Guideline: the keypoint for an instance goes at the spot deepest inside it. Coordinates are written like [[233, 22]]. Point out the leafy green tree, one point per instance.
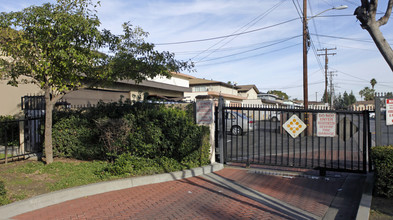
[[278, 93], [57, 47], [367, 93], [344, 101]]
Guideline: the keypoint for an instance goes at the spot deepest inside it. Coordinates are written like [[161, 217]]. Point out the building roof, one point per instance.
[[182, 75], [246, 88], [370, 102], [158, 85], [198, 81]]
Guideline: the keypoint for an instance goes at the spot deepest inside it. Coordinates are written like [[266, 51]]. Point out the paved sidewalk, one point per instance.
[[230, 193]]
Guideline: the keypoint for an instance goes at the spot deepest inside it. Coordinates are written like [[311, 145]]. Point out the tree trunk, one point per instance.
[[48, 126], [382, 45]]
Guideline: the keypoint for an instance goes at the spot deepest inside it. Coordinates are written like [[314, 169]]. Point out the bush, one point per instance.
[[383, 161], [76, 137], [146, 133], [9, 130]]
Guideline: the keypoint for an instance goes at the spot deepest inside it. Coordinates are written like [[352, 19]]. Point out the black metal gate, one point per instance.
[[34, 110], [257, 135]]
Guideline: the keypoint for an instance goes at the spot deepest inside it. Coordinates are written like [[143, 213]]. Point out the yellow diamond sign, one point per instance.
[[294, 126]]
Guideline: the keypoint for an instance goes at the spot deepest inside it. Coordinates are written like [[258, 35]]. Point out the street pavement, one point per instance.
[[228, 193]]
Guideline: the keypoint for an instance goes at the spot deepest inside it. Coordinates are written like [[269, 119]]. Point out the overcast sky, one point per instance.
[[256, 41]]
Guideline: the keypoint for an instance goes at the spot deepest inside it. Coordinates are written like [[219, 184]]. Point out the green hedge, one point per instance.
[[383, 161], [9, 130], [121, 132]]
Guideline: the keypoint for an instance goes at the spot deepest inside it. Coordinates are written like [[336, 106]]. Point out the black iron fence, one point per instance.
[[20, 138], [331, 140]]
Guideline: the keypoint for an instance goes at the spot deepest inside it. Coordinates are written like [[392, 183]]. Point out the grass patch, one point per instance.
[[2, 156], [26, 179], [381, 208]]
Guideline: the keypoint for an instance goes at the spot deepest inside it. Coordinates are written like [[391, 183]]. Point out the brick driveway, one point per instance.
[[230, 193]]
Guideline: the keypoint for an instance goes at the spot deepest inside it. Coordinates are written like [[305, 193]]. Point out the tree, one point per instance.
[[366, 14], [367, 93], [344, 101], [373, 82], [278, 93], [56, 46]]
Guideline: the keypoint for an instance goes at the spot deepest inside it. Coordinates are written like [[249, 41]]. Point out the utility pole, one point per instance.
[[326, 54], [305, 47], [331, 89]]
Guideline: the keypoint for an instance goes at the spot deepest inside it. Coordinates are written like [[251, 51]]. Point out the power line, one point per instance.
[[251, 23], [230, 35], [247, 51], [248, 57], [344, 38]]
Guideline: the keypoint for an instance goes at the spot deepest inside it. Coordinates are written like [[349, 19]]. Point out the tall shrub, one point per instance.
[[141, 130], [383, 161]]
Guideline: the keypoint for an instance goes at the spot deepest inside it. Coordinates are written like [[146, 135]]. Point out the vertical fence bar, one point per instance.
[[259, 135], [352, 143], [345, 139], [264, 138], [365, 141], [5, 144], [359, 149]]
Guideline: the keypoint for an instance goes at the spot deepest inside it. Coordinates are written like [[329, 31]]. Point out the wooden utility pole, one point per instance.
[[326, 54], [305, 47]]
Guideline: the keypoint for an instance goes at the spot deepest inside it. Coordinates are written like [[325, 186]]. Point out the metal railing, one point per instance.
[[255, 135]]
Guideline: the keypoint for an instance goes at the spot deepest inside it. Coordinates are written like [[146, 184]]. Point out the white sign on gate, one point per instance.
[[326, 124], [204, 112], [389, 111]]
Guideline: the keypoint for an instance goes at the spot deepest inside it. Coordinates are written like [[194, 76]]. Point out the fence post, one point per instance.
[[204, 115], [6, 144], [377, 121], [21, 136], [220, 127], [365, 142]]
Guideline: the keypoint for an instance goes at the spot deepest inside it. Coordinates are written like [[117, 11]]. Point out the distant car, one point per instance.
[[237, 123], [275, 116]]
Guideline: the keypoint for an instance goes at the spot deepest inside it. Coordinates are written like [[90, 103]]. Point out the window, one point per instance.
[[200, 89]]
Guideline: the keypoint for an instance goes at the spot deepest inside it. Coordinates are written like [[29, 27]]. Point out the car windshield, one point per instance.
[[241, 115]]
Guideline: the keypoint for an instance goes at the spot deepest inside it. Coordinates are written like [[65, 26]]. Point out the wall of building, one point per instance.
[[10, 97], [176, 81]]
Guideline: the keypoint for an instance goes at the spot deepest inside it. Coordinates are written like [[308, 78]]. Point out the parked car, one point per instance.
[[238, 123], [275, 116]]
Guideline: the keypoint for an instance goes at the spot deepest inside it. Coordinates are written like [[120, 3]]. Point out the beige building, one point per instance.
[[10, 96], [363, 105], [214, 89], [162, 88], [250, 92]]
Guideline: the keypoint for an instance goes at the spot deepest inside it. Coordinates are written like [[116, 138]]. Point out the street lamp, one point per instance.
[[305, 46]]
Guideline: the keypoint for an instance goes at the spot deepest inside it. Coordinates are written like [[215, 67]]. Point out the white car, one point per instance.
[[238, 123]]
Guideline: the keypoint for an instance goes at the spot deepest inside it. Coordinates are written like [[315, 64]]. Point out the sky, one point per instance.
[[256, 41]]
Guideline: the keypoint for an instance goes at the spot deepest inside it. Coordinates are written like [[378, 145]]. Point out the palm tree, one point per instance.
[[373, 82]]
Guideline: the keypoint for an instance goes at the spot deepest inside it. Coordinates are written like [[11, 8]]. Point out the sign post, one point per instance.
[[389, 111]]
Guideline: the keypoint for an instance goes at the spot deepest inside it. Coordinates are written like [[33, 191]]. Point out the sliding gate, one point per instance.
[[332, 140]]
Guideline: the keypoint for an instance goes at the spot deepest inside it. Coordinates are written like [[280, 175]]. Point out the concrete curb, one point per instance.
[[365, 201], [53, 198]]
